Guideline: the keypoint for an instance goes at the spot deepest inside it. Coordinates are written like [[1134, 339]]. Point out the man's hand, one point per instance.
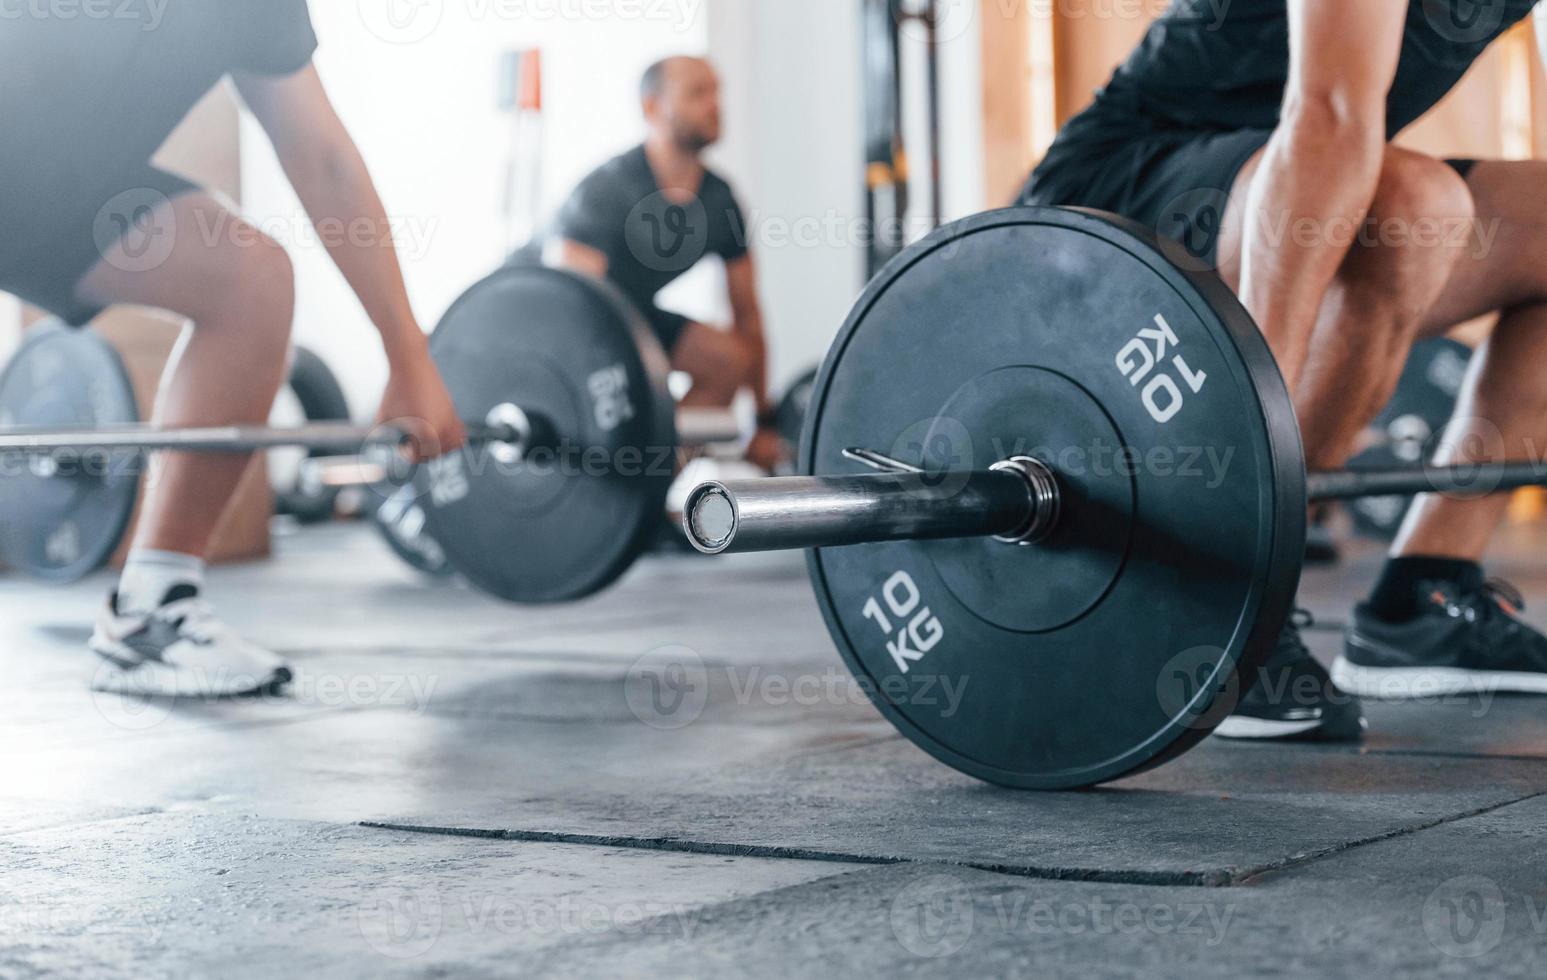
[[768, 451], [417, 402]]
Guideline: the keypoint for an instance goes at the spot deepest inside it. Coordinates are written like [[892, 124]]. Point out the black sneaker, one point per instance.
[[1460, 642], [1293, 698]]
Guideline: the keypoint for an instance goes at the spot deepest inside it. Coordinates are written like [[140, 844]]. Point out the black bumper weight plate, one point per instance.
[[1409, 428], [562, 524], [791, 413], [61, 519], [399, 518], [1119, 642]]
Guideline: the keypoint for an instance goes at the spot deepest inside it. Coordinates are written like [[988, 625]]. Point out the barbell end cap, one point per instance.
[[710, 519]]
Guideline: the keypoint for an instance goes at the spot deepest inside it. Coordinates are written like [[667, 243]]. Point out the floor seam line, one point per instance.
[[1174, 879], [1294, 863]]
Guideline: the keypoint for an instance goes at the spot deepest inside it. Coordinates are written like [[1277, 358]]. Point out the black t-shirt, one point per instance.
[[85, 97], [1224, 66], [650, 241]]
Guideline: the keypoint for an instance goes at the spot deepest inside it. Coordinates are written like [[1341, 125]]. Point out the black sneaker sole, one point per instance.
[[1418, 683]]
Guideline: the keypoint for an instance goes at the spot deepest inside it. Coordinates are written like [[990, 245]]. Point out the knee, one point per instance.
[[1420, 222], [256, 294], [268, 284]]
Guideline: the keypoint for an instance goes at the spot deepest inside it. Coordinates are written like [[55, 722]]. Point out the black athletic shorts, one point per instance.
[[53, 239], [666, 325], [1175, 183]]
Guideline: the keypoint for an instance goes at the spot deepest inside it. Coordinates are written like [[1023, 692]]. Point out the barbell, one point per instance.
[[1057, 473], [573, 438]]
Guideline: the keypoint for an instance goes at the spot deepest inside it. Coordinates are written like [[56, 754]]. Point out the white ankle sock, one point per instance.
[[149, 575]]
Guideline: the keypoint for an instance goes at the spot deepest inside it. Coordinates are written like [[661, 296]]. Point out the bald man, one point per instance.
[[643, 219]]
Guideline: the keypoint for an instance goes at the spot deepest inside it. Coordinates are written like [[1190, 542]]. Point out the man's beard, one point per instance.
[[693, 142]]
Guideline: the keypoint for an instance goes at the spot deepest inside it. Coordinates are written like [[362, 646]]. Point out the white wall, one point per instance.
[[795, 146], [420, 101]]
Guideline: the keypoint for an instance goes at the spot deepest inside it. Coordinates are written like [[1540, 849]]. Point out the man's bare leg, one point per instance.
[[1503, 411], [238, 288], [1378, 303], [721, 365]]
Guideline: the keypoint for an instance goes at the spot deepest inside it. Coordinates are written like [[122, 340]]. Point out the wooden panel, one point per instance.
[[1008, 149], [1091, 38]]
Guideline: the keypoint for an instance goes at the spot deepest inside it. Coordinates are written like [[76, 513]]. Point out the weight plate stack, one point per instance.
[[1120, 641]]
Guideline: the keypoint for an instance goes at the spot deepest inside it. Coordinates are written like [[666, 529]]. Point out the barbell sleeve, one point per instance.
[[1016, 501]]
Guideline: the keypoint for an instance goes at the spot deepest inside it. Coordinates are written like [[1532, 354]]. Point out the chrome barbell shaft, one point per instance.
[[1020, 505], [324, 437], [1466, 478], [792, 513], [696, 426]]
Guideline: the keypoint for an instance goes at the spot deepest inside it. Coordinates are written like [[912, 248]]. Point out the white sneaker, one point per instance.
[[181, 650]]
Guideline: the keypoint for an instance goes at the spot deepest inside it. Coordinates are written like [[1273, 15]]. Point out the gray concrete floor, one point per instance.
[[456, 787]]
